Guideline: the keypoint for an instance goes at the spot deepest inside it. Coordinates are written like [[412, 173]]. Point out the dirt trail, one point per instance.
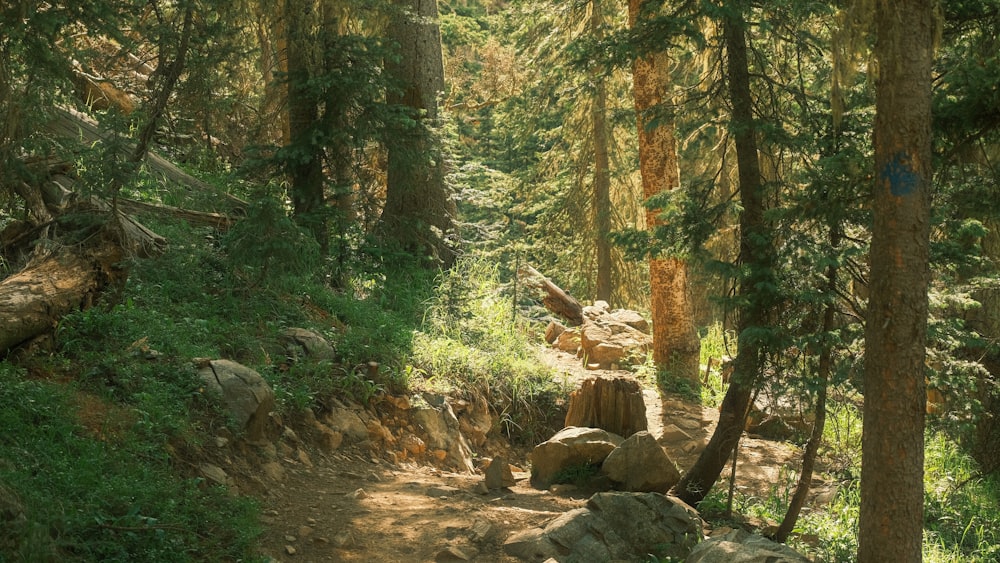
[[350, 505]]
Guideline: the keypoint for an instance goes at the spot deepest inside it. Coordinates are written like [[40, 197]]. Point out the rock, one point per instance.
[[299, 341], [597, 310], [442, 432], [630, 318], [413, 445], [739, 546], [498, 474], [553, 330], [305, 531], [304, 458], [214, 473], [641, 465], [453, 554], [348, 422], [611, 343], [247, 396], [570, 447], [480, 531], [360, 494], [568, 341], [613, 526], [442, 491], [614, 404], [674, 434], [289, 550], [474, 420], [273, 471], [329, 439]]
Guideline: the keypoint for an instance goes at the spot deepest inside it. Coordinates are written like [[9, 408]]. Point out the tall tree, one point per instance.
[[419, 212], [757, 285], [676, 348], [601, 206], [891, 517]]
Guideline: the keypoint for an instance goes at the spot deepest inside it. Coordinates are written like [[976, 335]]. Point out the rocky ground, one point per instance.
[[352, 504]]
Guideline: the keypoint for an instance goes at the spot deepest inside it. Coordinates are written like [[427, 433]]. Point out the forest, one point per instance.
[[801, 197]]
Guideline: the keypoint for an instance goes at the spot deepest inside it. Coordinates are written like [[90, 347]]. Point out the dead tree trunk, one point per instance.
[[71, 278], [557, 300], [614, 405]]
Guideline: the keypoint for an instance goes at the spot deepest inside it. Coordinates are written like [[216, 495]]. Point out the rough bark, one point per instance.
[[612, 404], [306, 167], [601, 203], [419, 211], [73, 277], [676, 347], [755, 254], [891, 515], [557, 300]]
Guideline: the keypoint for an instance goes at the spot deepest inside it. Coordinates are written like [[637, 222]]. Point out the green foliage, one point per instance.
[[472, 341], [79, 494], [268, 245]]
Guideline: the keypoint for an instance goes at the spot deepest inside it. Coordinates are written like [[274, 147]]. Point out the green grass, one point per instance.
[[69, 494]]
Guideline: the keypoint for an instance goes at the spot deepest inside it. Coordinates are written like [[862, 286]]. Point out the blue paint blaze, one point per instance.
[[903, 181]]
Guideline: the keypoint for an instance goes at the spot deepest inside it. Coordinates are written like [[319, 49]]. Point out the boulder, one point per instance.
[[498, 474], [568, 341], [627, 317], [442, 433], [348, 422], [474, 419], [571, 447], [613, 526], [609, 343], [640, 464], [553, 330], [299, 341], [246, 395], [739, 546]]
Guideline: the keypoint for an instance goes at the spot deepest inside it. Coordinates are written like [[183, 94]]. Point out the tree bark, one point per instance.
[[419, 211], [754, 290], [612, 404], [557, 300], [892, 494], [305, 166], [602, 167], [676, 347]]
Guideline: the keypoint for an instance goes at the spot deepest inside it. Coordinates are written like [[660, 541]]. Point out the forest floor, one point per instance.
[[350, 505]]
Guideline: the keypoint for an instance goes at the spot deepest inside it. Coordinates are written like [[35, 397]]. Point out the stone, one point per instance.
[[627, 317], [413, 445], [480, 531], [347, 422], [739, 546], [360, 494], [613, 526], [273, 471], [498, 474], [570, 447], [300, 341], [640, 464], [305, 531], [290, 550], [214, 473], [568, 341], [442, 434], [553, 330], [246, 395], [453, 553], [303, 457], [328, 439], [475, 421], [672, 433], [610, 343]]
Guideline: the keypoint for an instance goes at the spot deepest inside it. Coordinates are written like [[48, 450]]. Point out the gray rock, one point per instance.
[[442, 432], [348, 422], [498, 474], [571, 447], [740, 546], [300, 341], [613, 526], [246, 395], [641, 465]]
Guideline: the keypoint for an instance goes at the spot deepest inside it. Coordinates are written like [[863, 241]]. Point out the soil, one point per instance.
[[352, 505]]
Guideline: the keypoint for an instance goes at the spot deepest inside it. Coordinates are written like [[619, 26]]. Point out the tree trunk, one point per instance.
[[676, 348], [755, 254], [892, 494], [816, 437], [168, 75], [612, 404], [418, 211], [602, 166], [305, 168]]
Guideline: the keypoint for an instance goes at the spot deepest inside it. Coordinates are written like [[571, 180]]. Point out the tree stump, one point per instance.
[[612, 404]]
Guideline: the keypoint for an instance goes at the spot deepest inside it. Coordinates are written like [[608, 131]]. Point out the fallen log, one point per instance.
[[217, 221], [89, 262], [556, 300]]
